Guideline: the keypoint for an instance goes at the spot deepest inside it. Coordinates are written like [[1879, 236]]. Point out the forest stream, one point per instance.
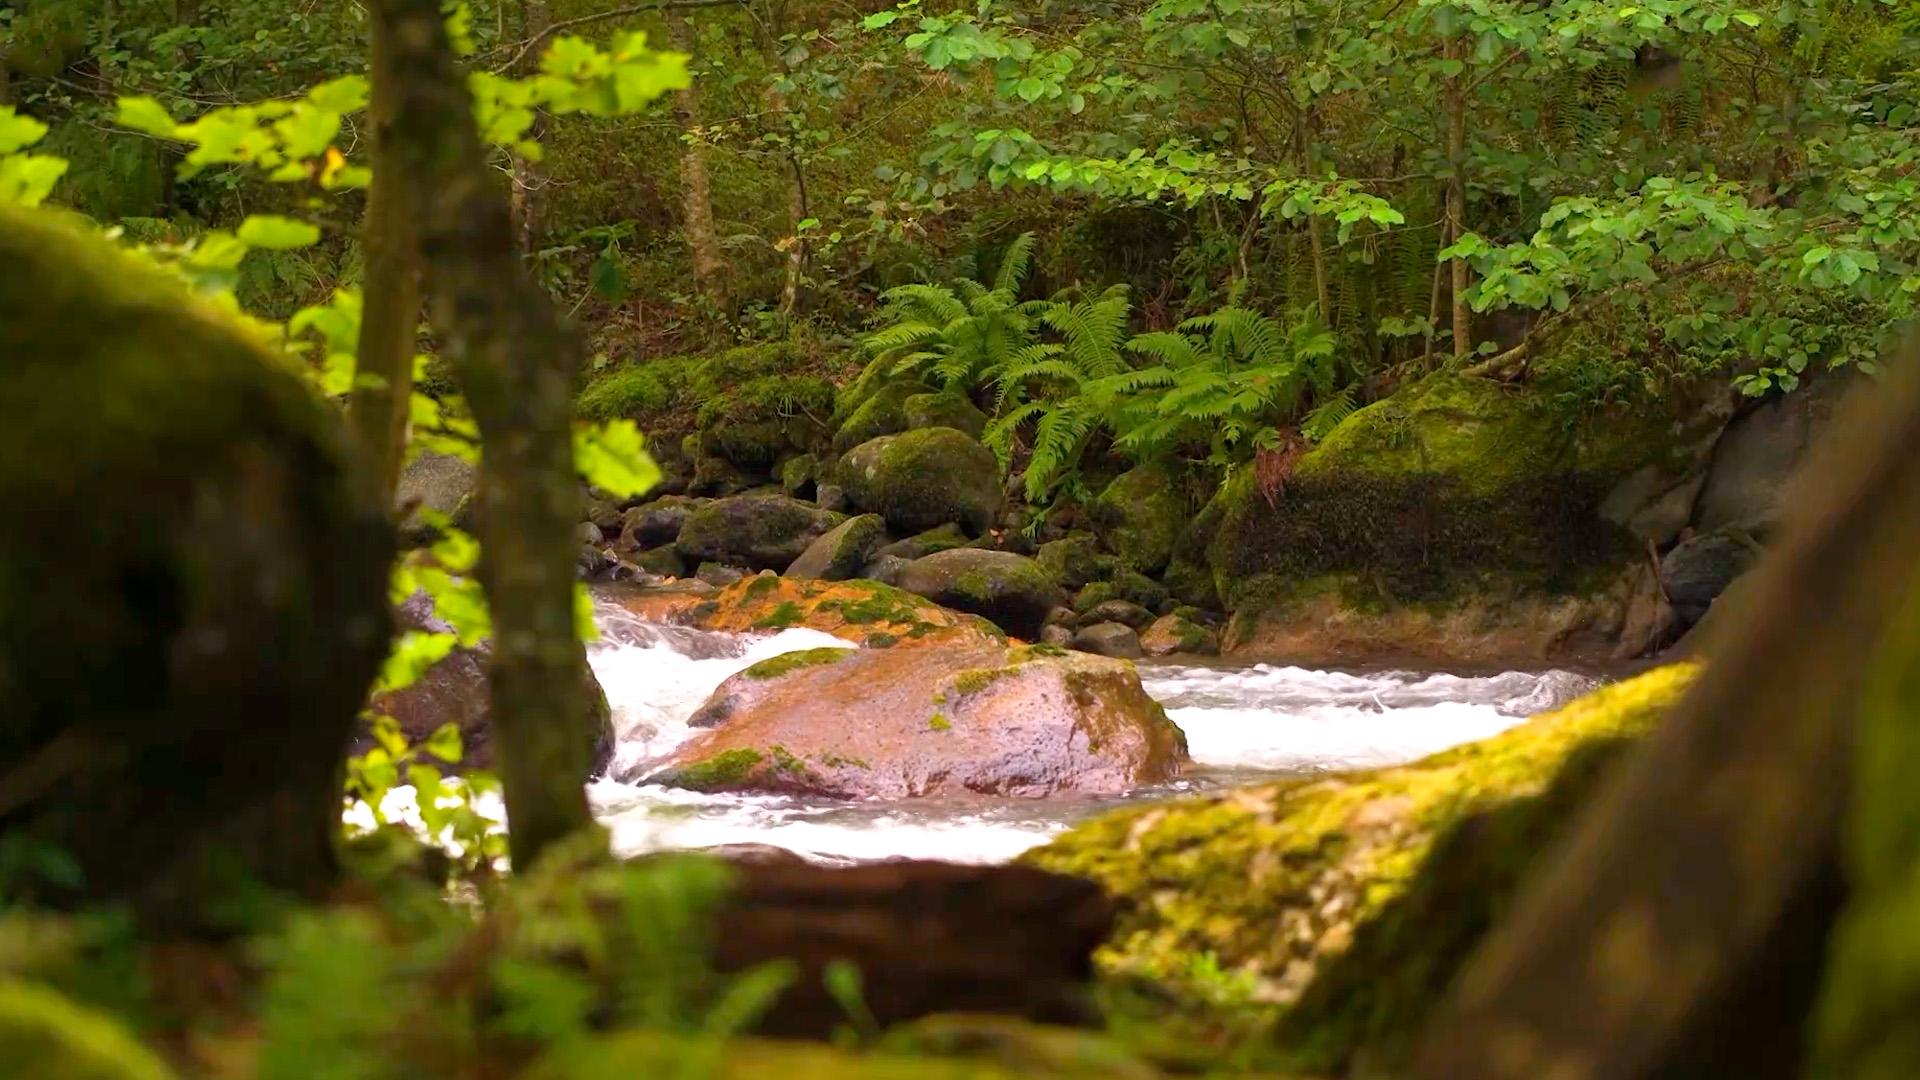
[[1243, 724]]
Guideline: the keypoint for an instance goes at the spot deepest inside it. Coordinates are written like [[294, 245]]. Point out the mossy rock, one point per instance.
[[882, 412], [866, 613], [1426, 489], [192, 580], [842, 551], [1075, 560], [1191, 583], [1129, 585], [944, 410], [922, 479], [756, 424], [922, 544], [1176, 634], [663, 561], [1140, 515], [1351, 901], [1011, 590], [647, 393], [765, 532], [959, 715], [800, 475]]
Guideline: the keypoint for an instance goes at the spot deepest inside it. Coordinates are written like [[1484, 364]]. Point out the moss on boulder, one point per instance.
[[192, 581], [1176, 634], [944, 410], [922, 479], [1421, 491], [863, 612], [1349, 902], [1011, 590], [880, 412], [1075, 560], [757, 424], [843, 551], [1140, 516], [764, 532]]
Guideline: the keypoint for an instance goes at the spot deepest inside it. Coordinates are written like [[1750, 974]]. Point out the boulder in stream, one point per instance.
[[923, 479], [1012, 590], [762, 532], [953, 716]]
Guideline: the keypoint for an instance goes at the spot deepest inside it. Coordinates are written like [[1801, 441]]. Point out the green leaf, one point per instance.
[[27, 180], [142, 114], [275, 233], [18, 132], [444, 743], [613, 457]]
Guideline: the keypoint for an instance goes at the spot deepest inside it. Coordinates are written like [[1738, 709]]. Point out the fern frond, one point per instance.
[[1015, 264], [1329, 414]]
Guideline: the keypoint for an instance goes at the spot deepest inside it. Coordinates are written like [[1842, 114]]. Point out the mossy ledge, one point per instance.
[[775, 666], [1347, 903], [719, 771]]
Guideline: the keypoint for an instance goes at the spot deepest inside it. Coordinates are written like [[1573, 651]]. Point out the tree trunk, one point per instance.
[[1456, 49], [696, 196], [378, 406], [797, 247], [516, 363], [1681, 929], [1303, 151], [529, 178]]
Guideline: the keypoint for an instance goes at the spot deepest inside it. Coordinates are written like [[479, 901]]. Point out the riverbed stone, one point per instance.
[[1700, 568], [842, 551], [1318, 893], [953, 716], [923, 479], [762, 532], [931, 542], [864, 612], [1125, 612], [1117, 640], [658, 522], [1140, 516], [1011, 590], [1177, 634], [944, 410], [434, 483]]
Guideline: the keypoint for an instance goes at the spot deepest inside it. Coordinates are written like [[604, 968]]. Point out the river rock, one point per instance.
[[1700, 568], [866, 613], [831, 497], [1108, 639], [436, 483], [1308, 890], [1758, 453], [880, 412], [192, 590], [842, 551], [1172, 634], [1140, 516], [455, 691], [931, 542], [1125, 612], [910, 722], [719, 575], [922, 479], [658, 522], [663, 561], [886, 569], [1056, 635], [1075, 560], [763, 532], [944, 410], [1009, 589]]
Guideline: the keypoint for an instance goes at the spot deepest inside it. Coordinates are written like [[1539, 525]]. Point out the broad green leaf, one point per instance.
[[275, 233], [613, 457], [143, 114]]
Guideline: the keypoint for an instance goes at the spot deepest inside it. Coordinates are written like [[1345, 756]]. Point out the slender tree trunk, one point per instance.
[[1456, 107], [1303, 151], [1439, 272], [516, 362], [529, 178], [696, 196], [378, 406], [797, 249]]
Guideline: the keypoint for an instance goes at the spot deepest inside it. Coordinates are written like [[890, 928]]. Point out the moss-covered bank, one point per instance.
[[1349, 902]]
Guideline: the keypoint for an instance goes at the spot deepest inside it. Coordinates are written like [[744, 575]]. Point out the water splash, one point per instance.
[[1242, 724]]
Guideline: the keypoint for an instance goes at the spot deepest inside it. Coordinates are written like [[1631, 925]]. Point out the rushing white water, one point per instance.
[[1241, 724]]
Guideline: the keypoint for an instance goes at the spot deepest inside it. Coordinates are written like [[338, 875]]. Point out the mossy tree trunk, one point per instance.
[[516, 363], [390, 314], [696, 194], [1681, 929]]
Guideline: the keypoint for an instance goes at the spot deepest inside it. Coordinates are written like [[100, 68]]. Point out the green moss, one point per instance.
[[784, 615], [722, 770], [944, 410], [1023, 653], [761, 585], [786, 761], [1352, 899], [880, 412], [775, 666], [939, 723], [835, 761], [1141, 514], [643, 392], [882, 604], [880, 639], [974, 680], [923, 479]]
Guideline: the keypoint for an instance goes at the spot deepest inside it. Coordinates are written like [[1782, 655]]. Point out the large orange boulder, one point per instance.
[[962, 714]]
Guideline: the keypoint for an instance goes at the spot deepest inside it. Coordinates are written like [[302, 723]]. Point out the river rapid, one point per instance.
[[1243, 724]]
